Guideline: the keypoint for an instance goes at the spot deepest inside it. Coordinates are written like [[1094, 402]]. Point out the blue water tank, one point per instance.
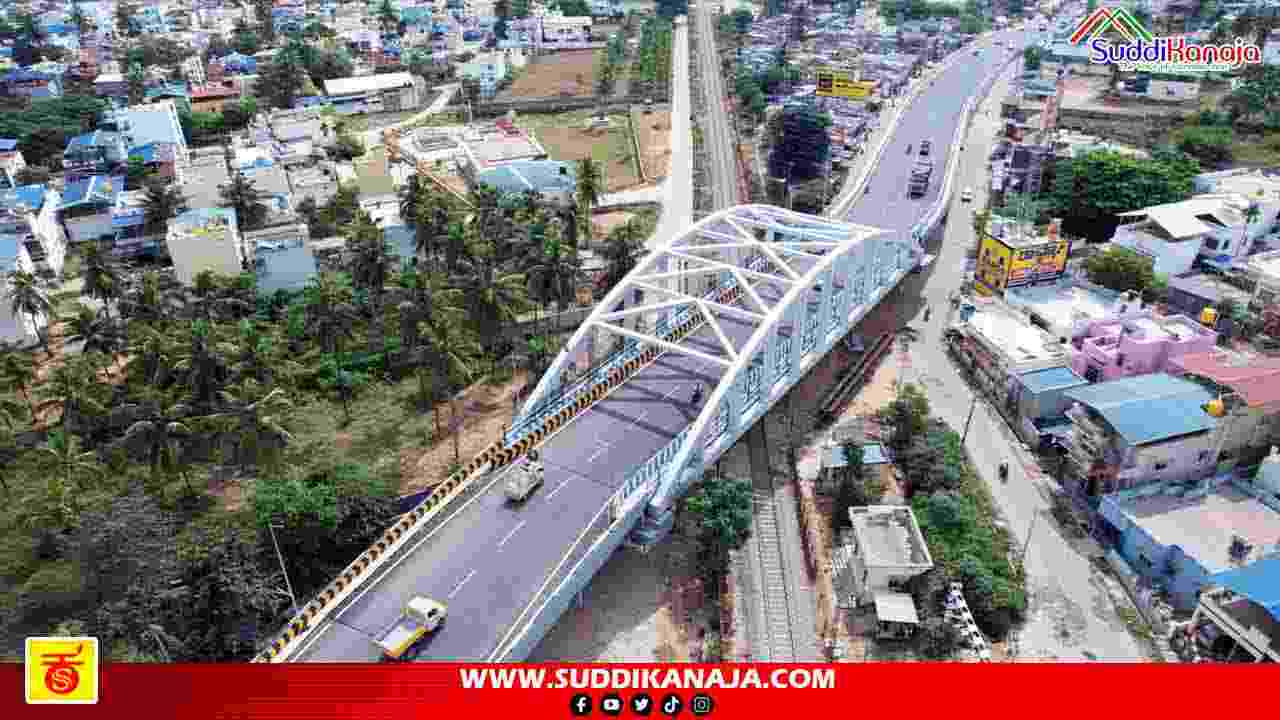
[[472, 35]]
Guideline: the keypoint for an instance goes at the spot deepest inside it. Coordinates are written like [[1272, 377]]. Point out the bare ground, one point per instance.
[[568, 73], [604, 223], [654, 133]]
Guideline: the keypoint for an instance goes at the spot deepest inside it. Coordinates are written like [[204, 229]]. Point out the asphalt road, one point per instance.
[[677, 190], [490, 559], [717, 126], [932, 116]]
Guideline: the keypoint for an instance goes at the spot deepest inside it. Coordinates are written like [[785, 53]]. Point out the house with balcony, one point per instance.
[[1237, 618], [1137, 346], [101, 209], [1248, 391], [95, 153], [1214, 229], [1138, 430], [153, 123], [1068, 308], [29, 217], [11, 163]]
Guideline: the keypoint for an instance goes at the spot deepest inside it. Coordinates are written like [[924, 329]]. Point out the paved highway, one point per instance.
[[932, 116], [490, 559], [677, 198], [717, 126]]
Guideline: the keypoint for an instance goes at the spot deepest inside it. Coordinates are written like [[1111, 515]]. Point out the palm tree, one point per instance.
[[388, 18], [96, 329], [454, 352], [330, 313], [412, 196], [65, 454], [75, 388], [556, 274], [99, 274], [212, 297], [150, 298], [26, 295], [242, 195], [254, 421], [161, 203], [203, 363], [372, 261], [10, 413], [622, 252], [160, 436], [591, 187], [493, 297], [18, 373]]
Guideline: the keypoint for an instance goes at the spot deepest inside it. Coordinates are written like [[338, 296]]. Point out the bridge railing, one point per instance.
[[652, 468], [664, 328]]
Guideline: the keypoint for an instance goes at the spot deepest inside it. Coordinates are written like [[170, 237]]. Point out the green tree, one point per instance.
[[493, 297], [282, 81], [162, 203], [907, 414], [622, 252], [590, 188], [1031, 58], [1091, 189], [136, 78], [18, 373], [266, 25], [1211, 145], [721, 509], [803, 145], [124, 19], [77, 19], [388, 16], [241, 194], [1258, 92], [29, 299], [1120, 269]]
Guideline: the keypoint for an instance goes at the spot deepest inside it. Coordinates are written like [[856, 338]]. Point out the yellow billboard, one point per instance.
[[1002, 266], [838, 83]]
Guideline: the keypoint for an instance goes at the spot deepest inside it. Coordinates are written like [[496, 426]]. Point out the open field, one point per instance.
[[566, 136], [654, 131], [564, 74], [604, 223]]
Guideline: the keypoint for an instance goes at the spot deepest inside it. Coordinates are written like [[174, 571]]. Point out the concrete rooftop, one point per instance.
[[1203, 527]]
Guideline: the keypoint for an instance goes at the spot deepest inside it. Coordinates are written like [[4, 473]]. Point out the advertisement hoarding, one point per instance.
[[839, 83]]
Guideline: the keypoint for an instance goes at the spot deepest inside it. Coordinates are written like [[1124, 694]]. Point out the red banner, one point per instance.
[[791, 692]]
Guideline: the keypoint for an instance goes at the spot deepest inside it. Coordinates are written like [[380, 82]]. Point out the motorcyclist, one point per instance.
[[697, 394], [908, 148], [867, 189], [1004, 471]]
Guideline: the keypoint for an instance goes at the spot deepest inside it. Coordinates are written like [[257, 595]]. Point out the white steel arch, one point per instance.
[[773, 256]]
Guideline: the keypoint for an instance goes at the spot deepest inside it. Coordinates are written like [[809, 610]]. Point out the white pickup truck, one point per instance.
[[421, 616], [525, 479]]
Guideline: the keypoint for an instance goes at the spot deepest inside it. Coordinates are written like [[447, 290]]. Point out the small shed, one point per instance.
[[896, 617], [875, 459]]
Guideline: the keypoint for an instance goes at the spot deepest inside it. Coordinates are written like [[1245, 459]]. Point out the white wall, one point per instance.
[[1171, 258]]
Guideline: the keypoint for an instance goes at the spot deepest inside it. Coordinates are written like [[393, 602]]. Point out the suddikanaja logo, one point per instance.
[[1137, 48]]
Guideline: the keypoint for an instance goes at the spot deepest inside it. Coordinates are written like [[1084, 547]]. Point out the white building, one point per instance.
[[376, 93], [1211, 227], [193, 70], [205, 239], [1271, 49], [31, 240], [888, 550]]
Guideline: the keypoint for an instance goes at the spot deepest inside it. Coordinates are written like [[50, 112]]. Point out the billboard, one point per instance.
[[838, 83], [1000, 266]]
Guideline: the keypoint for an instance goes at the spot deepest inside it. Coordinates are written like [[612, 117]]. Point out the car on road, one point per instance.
[[967, 195], [525, 479], [421, 615]]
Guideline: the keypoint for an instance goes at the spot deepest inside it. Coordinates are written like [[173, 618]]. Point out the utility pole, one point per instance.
[[280, 556], [1022, 558], [972, 406]]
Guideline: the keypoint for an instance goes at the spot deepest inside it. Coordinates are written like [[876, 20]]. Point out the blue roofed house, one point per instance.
[[205, 239], [154, 123], [30, 82], [1041, 400], [101, 209], [1138, 430], [1238, 616], [32, 241], [94, 153], [553, 180], [282, 257], [11, 163]]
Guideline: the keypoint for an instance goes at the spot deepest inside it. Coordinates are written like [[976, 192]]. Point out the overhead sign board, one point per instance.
[[839, 83]]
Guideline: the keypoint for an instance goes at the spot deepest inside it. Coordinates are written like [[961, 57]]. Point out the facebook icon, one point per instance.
[[580, 705]]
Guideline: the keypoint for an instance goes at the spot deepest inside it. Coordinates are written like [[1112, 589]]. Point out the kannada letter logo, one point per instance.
[[62, 670]]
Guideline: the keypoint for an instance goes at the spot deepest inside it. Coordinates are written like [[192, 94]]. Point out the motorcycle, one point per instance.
[[908, 149], [1004, 472]]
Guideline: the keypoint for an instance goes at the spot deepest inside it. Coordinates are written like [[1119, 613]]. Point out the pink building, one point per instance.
[[1146, 344]]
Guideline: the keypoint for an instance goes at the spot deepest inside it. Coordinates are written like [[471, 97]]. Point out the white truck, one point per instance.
[[421, 615], [525, 479]]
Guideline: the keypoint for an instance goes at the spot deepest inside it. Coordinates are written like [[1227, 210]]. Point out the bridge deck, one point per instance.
[[489, 560]]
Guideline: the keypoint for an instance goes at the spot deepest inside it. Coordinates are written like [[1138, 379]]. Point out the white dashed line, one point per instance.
[[639, 418], [514, 530], [597, 453], [457, 588], [673, 391], [558, 489]]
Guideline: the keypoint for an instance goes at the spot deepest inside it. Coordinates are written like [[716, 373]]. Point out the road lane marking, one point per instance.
[[514, 530], [639, 418], [458, 588], [673, 391], [597, 454], [558, 488]]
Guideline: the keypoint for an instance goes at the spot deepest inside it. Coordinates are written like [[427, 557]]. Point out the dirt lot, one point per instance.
[[654, 131], [563, 74], [566, 136]]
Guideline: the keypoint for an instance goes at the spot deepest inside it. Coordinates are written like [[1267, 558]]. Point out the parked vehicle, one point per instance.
[[966, 195], [421, 616], [526, 479]]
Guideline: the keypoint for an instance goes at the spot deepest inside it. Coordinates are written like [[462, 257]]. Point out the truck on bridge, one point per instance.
[[525, 479], [922, 171], [421, 616]]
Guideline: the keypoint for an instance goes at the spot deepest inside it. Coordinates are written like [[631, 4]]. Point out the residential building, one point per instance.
[[489, 70], [94, 153], [282, 257], [1011, 254], [33, 82], [1068, 308], [29, 217], [157, 158], [1238, 615], [1039, 399], [887, 551], [11, 163], [553, 180], [876, 460], [389, 92], [214, 98], [1178, 536], [1263, 272], [1209, 228], [1248, 387], [194, 71], [1138, 430], [205, 239], [86, 208], [997, 343], [110, 85], [1140, 345], [1191, 294], [1271, 50]]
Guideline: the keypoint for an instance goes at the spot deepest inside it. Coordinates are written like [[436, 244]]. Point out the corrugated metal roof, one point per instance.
[[1257, 380], [896, 607], [1258, 581], [1148, 408], [1059, 378], [368, 83]]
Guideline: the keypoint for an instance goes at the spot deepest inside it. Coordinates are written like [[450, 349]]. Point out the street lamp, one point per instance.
[[972, 406]]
